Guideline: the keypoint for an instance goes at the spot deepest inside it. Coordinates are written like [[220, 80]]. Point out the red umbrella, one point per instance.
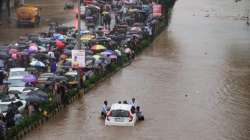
[[60, 44]]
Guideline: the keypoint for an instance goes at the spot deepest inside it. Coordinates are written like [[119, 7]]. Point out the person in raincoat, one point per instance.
[[53, 67]]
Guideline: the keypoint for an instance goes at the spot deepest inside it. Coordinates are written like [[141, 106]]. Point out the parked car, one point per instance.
[[17, 73], [120, 115], [4, 104], [16, 84]]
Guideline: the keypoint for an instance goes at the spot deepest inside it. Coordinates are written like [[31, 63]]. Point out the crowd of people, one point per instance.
[[49, 53]]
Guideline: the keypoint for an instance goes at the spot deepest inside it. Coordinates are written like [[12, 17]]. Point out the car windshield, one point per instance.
[[17, 73], [3, 107], [16, 83], [119, 113]]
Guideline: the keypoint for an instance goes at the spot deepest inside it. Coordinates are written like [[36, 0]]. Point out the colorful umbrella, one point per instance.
[[60, 44], [113, 56], [33, 48], [14, 56], [98, 47], [29, 78], [87, 37]]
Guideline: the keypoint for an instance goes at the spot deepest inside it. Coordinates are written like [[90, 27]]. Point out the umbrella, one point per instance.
[[11, 51], [127, 50], [35, 98], [118, 52], [107, 52], [37, 63], [58, 36], [98, 47], [60, 44], [29, 78], [97, 57], [14, 56], [87, 37], [113, 56], [33, 48], [137, 29]]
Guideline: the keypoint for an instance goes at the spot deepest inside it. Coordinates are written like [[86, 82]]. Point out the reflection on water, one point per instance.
[[192, 83]]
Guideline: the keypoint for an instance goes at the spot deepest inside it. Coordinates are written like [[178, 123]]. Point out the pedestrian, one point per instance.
[[2, 127], [63, 93], [18, 118], [31, 109], [2, 76], [53, 66], [109, 21], [10, 117], [139, 114], [133, 102], [105, 109]]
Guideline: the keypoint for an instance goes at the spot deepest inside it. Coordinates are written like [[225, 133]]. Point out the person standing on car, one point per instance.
[[133, 102]]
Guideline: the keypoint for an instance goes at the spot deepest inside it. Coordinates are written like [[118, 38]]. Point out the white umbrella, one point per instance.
[[127, 50], [36, 63]]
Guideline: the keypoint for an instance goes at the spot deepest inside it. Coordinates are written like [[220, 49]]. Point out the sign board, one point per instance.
[[78, 58], [157, 10]]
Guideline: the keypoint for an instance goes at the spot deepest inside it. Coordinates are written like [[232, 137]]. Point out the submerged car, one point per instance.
[[120, 115]]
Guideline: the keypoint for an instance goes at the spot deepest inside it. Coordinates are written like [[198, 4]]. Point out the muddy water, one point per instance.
[[192, 84]]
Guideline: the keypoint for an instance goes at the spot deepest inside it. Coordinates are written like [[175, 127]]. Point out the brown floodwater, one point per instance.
[[51, 11], [193, 83]]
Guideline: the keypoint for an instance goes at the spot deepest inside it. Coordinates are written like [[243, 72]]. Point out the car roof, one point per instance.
[[9, 102], [17, 69], [16, 78], [117, 106]]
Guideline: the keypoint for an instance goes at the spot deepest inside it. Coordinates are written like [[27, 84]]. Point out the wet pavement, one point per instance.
[[192, 83]]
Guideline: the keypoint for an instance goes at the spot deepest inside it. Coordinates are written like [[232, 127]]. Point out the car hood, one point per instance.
[[20, 89]]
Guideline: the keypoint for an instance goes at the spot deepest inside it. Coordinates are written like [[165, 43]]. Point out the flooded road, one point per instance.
[[192, 84], [51, 11]]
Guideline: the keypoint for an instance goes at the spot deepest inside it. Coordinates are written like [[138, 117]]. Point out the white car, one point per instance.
[[21, 104], [120, 115], [17, 73], [16, 85]]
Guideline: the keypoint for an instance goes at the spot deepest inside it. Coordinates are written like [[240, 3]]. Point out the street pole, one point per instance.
[[79, 25], [79, 39]]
